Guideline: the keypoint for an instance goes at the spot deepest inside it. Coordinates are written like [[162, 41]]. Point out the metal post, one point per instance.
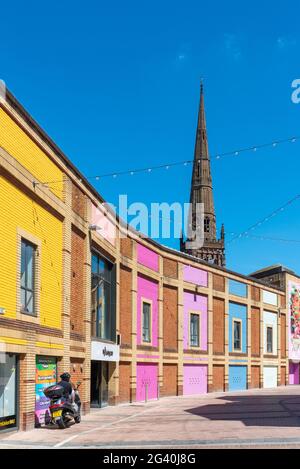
[[158, 391], [146, 392]]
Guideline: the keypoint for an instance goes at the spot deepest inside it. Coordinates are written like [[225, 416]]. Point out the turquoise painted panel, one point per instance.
[[237, 378], [238, 288]]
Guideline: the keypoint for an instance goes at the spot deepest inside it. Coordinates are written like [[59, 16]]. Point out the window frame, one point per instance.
[[24, 240], [240, 322], [148, 302], [269, 326], [195, 313]]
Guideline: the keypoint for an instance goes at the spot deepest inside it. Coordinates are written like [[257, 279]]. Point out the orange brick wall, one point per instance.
[[283, 335], [255, 376], [170, 268], [125, 305], [77, 281], [218, 378], [255, 332], [126, 247], [169, 380], [282, 375], [218, 326], [255, 293], [78, 201], [170, 323], [218, 283], [124, 381]]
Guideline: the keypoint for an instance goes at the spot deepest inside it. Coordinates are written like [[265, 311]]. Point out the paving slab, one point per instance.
[[247, 419]]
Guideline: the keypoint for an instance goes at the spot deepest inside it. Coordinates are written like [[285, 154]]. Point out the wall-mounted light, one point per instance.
[[95, 227]]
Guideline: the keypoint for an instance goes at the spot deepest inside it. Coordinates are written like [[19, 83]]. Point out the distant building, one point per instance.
[[213, 250]]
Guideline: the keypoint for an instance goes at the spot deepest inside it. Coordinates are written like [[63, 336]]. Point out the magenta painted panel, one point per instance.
[[147, 257], [148, 290], [193, 275], [194, 302], [294, 377], [194, 379], [106, 224], [146, 375]]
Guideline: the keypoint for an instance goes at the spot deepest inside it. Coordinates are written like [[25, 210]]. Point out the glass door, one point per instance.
[[99, 384]]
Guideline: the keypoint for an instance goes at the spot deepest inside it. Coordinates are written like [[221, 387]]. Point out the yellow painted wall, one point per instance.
[[19, 145], [17, 210]]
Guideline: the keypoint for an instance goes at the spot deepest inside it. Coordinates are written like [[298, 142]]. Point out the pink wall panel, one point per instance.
[[294, 377], [146, 375], [195, 302], [147, 289], [147, 257], [193, 275], [194, 379], [106, 223]]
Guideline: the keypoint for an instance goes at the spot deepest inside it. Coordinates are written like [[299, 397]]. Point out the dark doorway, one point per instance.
[[99, 384]]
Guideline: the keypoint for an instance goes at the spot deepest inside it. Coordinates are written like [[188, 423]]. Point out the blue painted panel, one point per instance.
[[238, 312], [237, 378], [237, 288]]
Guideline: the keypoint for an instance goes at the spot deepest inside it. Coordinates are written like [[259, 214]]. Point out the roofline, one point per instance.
[[19, 108]]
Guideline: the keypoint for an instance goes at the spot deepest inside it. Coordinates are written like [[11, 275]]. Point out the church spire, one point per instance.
[[202, 192]]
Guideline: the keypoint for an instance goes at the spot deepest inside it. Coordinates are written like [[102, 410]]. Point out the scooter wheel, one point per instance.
[[77, 419], [61, 423]]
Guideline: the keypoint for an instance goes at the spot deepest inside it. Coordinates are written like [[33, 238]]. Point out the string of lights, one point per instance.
[[167, 166], [265, 219]]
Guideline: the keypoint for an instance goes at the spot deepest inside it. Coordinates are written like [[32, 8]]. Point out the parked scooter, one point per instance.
[[62, 410]]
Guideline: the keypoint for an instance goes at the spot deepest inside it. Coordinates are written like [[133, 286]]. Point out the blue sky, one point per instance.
[[116, 85]]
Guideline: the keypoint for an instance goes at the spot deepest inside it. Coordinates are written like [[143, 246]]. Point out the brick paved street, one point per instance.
[[260, 418]]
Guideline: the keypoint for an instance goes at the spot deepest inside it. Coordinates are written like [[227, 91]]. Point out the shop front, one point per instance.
[[8, 391], [45, 375], [104, 357]]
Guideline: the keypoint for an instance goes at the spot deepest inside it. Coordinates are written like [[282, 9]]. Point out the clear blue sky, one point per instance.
[[116, 85]]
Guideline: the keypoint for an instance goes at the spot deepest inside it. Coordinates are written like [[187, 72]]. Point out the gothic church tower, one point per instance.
[[213, 250]]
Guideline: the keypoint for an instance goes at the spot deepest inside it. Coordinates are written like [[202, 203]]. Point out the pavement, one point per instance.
[[249, 419]]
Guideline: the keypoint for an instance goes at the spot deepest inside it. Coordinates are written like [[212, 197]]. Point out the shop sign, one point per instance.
[[105, 352]]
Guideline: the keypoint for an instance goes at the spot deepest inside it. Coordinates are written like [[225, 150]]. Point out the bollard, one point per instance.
[[146, 392]]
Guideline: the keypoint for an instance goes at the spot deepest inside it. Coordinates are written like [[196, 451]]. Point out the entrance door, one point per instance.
[[99, 384]]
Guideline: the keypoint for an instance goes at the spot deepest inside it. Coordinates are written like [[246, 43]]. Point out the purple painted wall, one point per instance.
[[146, 374], [194, 302], [194, 379], [148, 290], [294, 377], [193, 275], [147, 257]]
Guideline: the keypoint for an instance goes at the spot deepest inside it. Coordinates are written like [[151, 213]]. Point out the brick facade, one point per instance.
[[255, 379], [77, 281], [125, 306], [218, 326], [169, 380], [255, 332], [218, 378], [170, 318]]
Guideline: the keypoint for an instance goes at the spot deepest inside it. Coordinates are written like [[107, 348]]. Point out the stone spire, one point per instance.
[[202, 192]]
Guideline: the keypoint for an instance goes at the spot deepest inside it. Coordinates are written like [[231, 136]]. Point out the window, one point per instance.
[[27, 276], [269, 339], [206, 225], [146, 322], [103, 299], [237, 335], [194, 330], [237, 288]]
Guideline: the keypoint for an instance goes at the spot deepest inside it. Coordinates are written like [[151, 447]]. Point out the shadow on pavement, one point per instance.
[[268, 410]]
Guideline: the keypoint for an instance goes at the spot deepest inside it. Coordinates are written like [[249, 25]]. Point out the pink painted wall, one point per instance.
[[106, 223], [147, 257], [146, 373], [194, 379], [194, 302], [193, 275], [148, 290], [294, 377]]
